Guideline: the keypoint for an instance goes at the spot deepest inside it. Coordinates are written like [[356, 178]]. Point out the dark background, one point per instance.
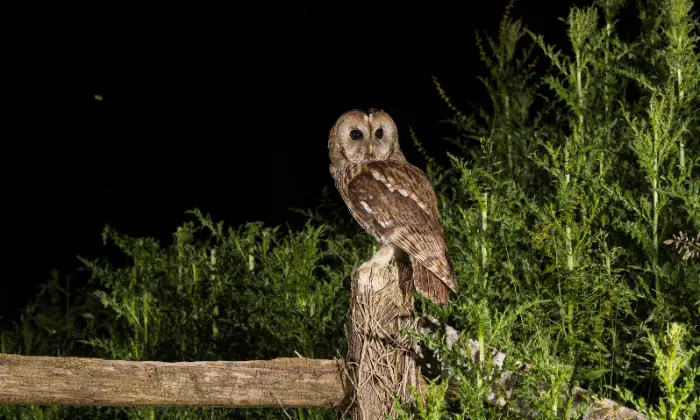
[[236, 127]]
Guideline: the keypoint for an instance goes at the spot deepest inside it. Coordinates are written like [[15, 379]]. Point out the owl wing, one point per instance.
[[399, 204]]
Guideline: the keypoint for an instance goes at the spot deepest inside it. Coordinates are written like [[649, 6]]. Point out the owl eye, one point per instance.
[[379, 133], [356, 134]]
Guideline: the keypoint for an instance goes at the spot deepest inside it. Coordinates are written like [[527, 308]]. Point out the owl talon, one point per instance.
[[380, 259]]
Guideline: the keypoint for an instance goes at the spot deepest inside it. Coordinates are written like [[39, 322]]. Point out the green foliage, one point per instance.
[[672, 362], [572, 215], [234, 294], [605, 150], [431, 406]]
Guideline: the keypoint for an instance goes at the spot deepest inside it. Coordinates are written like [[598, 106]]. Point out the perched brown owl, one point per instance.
[[390, 198]]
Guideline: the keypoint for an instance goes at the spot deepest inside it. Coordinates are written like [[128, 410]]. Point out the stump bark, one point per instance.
[[381, 359]]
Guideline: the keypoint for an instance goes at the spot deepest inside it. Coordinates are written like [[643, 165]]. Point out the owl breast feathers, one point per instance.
[[390, 198]]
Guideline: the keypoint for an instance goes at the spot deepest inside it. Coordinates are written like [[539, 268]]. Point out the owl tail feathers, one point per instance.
[[428, 284]]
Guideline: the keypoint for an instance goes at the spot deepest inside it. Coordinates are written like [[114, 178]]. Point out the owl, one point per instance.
[[390, 198]]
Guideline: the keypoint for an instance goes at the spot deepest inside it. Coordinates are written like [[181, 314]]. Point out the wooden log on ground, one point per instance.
[[284, 382]]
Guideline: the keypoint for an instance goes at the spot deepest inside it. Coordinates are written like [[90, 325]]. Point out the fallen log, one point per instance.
[[285, 382]]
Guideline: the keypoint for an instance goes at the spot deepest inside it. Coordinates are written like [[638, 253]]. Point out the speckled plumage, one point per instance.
[[390, 198]]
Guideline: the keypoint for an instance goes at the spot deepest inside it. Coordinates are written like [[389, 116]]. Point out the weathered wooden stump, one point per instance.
[[381, 359]]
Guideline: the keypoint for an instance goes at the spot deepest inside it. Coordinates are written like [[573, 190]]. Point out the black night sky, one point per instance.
[[235, 126]]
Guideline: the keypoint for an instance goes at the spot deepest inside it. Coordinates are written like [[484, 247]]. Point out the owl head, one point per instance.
[[358, 136]]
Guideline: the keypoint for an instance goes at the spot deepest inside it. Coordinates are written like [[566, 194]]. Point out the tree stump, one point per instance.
[[381, 359]]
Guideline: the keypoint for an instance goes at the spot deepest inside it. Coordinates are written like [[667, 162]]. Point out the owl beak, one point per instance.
[[370, 148]]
